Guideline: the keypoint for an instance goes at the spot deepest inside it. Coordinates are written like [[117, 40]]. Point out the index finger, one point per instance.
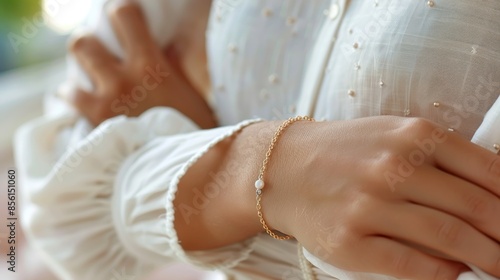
[[130, 25], [470, 162]]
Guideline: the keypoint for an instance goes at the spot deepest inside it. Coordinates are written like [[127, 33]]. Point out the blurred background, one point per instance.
[[33, 36], [32, 50]]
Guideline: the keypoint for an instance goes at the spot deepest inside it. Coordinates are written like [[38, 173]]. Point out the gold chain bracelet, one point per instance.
[[259, 184]]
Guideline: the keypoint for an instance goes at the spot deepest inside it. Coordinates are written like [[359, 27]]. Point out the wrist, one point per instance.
[[234, 165], [286, 178]]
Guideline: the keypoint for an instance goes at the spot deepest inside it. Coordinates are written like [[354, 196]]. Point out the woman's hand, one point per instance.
[[143, 79], [389, 195]]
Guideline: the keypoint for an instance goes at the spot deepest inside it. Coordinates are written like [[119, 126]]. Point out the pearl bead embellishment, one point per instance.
[[232, 48], [273, 79], [267, 12], [259, 184]]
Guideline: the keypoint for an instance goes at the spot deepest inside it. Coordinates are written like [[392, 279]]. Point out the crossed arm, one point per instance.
[[325, 182]]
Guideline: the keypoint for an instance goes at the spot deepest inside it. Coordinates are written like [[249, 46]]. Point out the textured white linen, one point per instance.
[[488, 133], [94, 213], [268, 59]]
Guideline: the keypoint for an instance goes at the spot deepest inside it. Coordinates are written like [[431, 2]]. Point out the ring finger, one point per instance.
[[441, 232]]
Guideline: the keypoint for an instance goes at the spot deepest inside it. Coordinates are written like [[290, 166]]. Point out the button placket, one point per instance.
[[320, 56]]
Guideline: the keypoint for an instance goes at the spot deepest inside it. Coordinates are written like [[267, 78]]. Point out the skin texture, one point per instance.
[[389, 195]]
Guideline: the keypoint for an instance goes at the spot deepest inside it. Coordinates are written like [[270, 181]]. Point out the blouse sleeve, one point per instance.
[[104, 209]]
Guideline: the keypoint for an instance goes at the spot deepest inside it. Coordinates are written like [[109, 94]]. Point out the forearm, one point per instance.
[[215, 202]]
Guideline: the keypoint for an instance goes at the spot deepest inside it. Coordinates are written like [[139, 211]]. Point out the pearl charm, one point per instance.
[[264, 94], [259, 184], [333, 12], [232, 48], [267, 12], [496, 147], [273, 79]]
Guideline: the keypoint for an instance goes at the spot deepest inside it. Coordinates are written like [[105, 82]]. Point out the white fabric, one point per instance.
[[475, 274], [96, 201], [488, 133], [268, 59]]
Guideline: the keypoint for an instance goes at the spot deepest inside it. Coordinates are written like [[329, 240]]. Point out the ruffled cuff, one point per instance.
[[145, 189], [105, 210], [221, 258]]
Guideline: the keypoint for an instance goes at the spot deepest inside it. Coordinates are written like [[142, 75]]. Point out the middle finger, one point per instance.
[[132, 30], [443, 191], [96, 60]]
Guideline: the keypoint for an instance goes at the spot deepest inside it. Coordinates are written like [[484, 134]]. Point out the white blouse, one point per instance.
[[99, 204]]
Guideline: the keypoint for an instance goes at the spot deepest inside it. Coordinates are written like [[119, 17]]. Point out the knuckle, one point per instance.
[[355, 214], [402, 262], [449, 233], [115, 87], [494, 168], [389, 160], [80, 43], [359, 208], [442, 271], [123, 11], [478, 207], [419, 127]]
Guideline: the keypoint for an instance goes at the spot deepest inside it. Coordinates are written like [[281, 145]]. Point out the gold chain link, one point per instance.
[[262, 172]]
